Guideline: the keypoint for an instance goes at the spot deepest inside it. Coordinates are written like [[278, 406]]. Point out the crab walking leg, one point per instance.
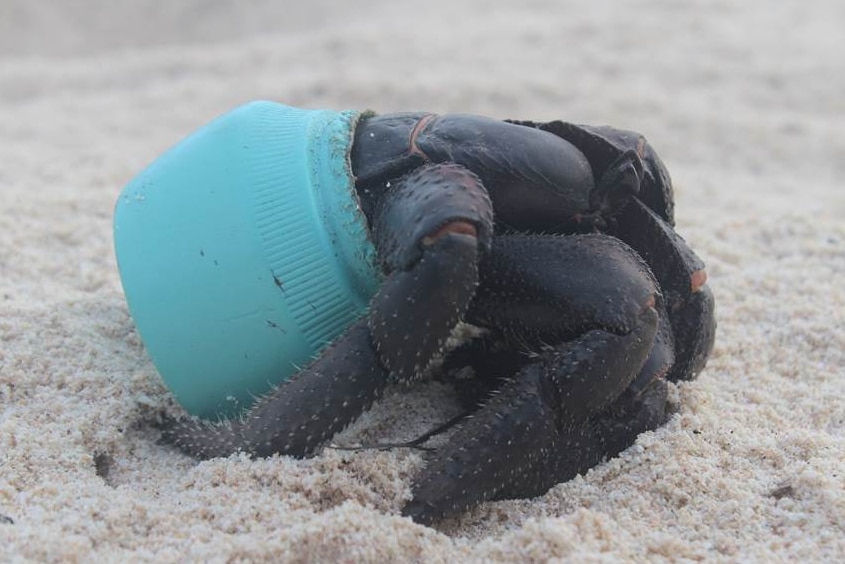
[[411, 317], [581, 446], [418, 309], [431, 252], [646, 223], [299, 415], [493, 361], [587, 306], [431, 229], [547, 289], [524, 434], [681, 275], [694, 323]]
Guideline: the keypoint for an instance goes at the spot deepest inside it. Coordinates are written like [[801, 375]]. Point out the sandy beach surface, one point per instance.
[[744, 100]]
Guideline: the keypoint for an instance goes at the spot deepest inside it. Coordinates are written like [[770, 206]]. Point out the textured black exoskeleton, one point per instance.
[[556, 238]]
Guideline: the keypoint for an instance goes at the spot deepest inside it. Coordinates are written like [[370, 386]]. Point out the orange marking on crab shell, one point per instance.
[[460, 227], [415, 150], [697, 280], [641, 147]]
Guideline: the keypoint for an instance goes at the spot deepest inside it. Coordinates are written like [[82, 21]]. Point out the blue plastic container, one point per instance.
[[243, 251]]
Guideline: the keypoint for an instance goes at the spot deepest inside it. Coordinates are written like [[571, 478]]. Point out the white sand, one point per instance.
[[745, 101]]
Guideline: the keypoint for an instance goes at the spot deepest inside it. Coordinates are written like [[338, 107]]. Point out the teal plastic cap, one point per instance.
[[243, 251]]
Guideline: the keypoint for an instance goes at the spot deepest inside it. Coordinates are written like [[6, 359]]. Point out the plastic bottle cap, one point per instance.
[[243, 251]]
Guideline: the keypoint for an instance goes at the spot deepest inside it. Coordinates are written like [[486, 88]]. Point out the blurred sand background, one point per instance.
[[744, 100]]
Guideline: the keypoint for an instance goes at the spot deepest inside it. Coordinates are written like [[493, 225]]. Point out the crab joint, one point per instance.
[[460, 227], [697, 280]]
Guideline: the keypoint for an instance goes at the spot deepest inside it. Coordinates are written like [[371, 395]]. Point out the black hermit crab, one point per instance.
[[558, 241]]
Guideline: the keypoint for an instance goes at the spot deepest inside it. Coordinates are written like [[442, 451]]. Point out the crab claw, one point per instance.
[[604, 146], [620, 181]]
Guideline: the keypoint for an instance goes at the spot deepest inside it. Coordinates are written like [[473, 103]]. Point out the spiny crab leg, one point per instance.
[[431, 254]]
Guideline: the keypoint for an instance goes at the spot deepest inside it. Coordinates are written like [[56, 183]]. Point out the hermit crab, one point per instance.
[[557, 241]]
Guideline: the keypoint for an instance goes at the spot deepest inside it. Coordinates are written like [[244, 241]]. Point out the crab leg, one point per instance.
[[681, 275], [431, 230], [430, 251], [597, 303], [527, 436], [645, 223], [296, 417]]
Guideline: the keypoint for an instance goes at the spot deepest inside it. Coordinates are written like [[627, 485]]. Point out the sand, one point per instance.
[[743, 100]]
